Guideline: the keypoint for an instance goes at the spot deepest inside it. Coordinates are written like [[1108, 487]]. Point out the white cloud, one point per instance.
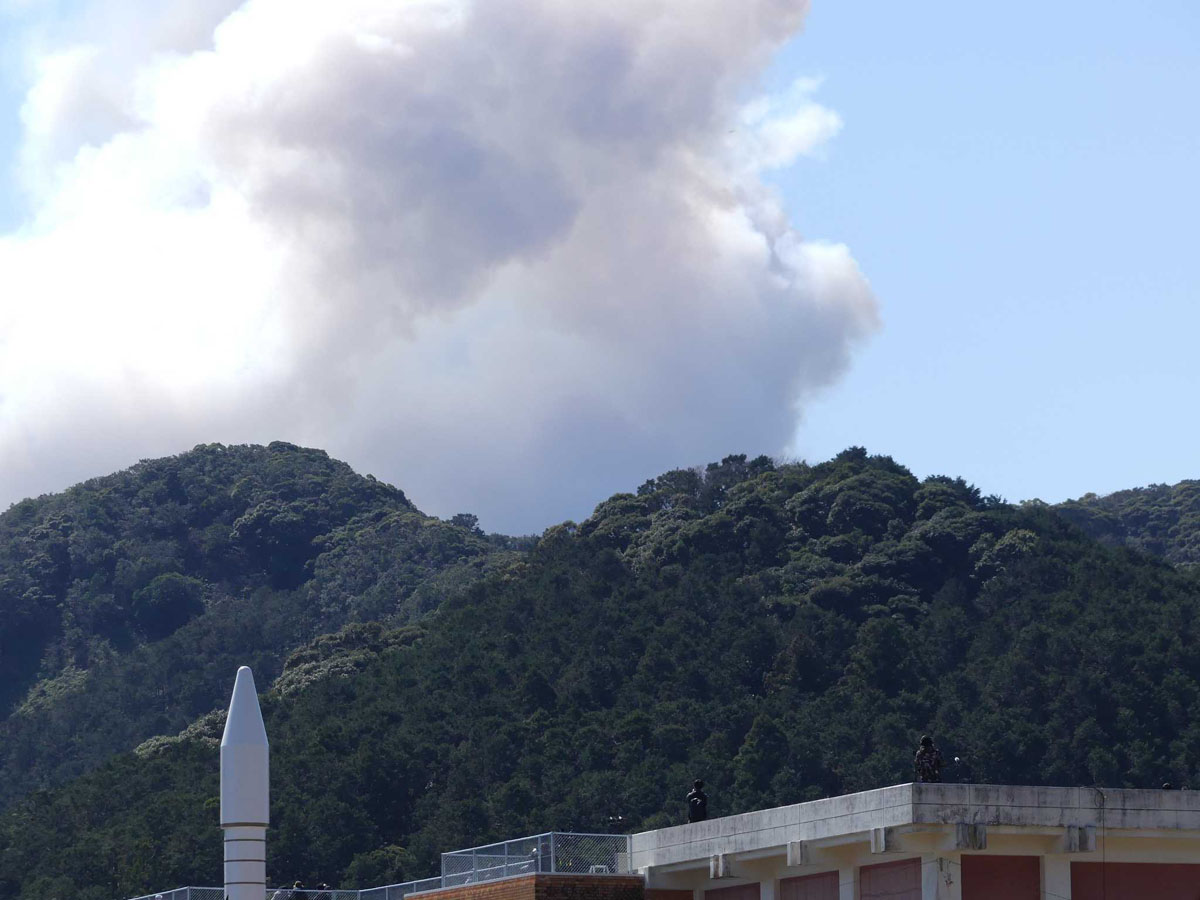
[[773, 132], [510, 255]]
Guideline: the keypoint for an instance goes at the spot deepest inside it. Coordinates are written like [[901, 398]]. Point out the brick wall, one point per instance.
[[549, 887]]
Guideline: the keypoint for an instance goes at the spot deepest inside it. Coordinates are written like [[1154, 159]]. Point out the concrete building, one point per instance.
[[906, 842], [937, 842]]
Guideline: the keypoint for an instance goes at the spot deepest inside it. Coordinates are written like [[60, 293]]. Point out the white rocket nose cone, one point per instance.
[[244, 724], [245, 774]]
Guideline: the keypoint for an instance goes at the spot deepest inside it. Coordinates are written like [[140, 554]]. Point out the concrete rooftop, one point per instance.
[[1073, 814]]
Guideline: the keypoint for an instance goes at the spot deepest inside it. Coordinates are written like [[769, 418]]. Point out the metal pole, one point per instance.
[[552, 860]]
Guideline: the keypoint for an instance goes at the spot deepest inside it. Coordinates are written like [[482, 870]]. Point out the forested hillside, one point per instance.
[[1161, 519], [127, 600], [785, 632]]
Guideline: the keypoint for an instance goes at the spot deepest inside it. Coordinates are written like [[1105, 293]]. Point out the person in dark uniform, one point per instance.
[[697, 802], [928, 762]]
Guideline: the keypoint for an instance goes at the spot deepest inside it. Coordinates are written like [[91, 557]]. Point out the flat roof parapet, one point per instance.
[[916, 804]]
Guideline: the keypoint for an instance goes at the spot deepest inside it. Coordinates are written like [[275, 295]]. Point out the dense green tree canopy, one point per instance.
[[125, 601], [1161, 519], [785, 632]]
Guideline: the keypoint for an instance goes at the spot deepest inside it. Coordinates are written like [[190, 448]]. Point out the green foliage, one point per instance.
[[373, 868], [166, 604], [1161, 519], [126, 601], [341, 654], [785, 632]]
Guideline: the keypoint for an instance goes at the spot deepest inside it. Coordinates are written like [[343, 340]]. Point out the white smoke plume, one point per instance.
[[511, 255]]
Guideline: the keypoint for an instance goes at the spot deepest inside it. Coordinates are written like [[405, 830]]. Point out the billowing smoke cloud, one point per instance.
[[511, 255]]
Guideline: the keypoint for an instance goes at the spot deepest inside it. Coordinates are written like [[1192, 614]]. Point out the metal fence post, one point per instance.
[[553, 841]]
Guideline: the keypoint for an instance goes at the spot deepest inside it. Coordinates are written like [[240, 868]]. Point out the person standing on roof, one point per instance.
[[697, 802], [928, 762]]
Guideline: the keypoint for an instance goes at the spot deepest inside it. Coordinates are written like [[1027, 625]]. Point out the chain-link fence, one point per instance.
[[555, 852], [286, 893], [189, 893]]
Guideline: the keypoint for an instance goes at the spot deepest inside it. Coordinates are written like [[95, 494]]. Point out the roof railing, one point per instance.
[[552, 853]]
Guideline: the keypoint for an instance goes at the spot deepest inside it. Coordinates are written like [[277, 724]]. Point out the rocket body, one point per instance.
[[245, 792]]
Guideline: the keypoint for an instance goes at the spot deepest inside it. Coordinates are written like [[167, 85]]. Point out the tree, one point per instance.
[[166, 604], [469, 521]]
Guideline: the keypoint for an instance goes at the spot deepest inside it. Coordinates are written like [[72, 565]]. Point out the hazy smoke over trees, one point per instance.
[[510, 255]]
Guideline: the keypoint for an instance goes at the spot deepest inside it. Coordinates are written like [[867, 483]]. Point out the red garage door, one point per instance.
[[739, 892], [891, 881], [1135, 881], [1001, 877], [810, 887]]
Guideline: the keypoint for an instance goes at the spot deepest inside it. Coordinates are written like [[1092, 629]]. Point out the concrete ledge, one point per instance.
[[971, 806]]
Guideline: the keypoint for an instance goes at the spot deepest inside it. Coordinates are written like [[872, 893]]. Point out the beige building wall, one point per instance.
[[909, 842]]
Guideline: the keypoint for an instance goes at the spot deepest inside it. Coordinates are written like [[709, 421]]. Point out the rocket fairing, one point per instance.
[[245, 765], [245, 792]]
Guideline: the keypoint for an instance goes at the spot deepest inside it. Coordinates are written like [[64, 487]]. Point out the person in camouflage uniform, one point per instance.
[[928, 762]]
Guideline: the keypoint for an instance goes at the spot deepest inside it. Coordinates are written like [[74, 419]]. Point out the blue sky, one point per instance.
[[1018, 182]]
